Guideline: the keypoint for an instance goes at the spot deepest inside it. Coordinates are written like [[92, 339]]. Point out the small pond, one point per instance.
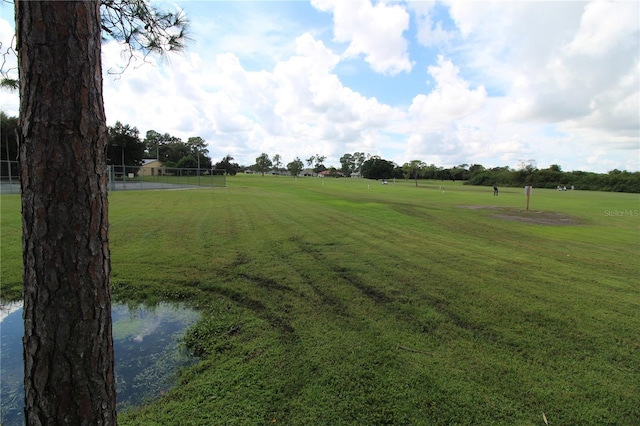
[[147, 347]]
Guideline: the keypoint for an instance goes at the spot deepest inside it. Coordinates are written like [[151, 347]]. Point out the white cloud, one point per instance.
[[519, 40], [450, 100], [604, 26], [373, 30], [430, 33], [312, 102]]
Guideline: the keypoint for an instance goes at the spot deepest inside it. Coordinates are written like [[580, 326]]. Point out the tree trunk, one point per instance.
[[68, 347]]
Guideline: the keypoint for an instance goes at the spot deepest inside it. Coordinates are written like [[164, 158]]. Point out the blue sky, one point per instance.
[[448, 83]]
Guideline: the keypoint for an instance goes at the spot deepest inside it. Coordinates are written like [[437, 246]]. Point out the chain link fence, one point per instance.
[[123, 178], [9, 177], [127, 178]]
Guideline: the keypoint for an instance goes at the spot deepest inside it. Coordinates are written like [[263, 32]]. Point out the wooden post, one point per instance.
[[527, 191]]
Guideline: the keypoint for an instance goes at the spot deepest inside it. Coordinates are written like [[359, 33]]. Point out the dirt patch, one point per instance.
[[528, 216], [542, 218], [477, 207]]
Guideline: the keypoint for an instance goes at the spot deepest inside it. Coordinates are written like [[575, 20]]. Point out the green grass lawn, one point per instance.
[[344, 301]]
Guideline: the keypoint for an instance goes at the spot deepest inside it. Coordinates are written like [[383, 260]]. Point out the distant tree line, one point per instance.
[[552, 177], [126, 147], [375, 167], [526, 174], [170, 150]]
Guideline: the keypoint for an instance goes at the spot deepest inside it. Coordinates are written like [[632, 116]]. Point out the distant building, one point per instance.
[[276, 172], [151, 167], [329, 173]]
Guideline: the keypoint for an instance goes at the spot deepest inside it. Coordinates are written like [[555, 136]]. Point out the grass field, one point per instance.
[[344, 301]]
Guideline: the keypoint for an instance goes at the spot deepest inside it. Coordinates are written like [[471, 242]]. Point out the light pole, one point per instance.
[[124, 169]]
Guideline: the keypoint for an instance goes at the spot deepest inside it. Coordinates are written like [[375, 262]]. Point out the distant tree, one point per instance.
[[450, 173], [524, 174], [152, 143], [406, 171], [277, 162], [124, 146], [377, 168], [398, 172], [413, 169], [263, 163], [548, 178], [527, 165], [348, 164], [459, 172], [198, 150], [475, 169], [172, 152], [478, 175], [555, 168], [187, 162], [358, 160], [227, 165], [295, 167], [462, 172], [197, 144], [310, 160], [155, 143], [318, 163], [430, 172]]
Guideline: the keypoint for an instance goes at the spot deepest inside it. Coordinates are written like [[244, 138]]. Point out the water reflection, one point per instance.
[[147, 347]]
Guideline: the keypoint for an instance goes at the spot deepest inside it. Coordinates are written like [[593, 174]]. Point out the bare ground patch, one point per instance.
[[528, 216]]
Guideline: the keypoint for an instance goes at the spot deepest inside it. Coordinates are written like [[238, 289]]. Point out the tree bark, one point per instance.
[[68, 346]]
